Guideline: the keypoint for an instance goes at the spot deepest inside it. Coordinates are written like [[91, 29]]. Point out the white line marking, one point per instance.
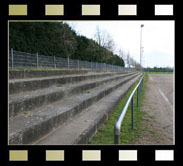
[[163, 95], [166, 99]]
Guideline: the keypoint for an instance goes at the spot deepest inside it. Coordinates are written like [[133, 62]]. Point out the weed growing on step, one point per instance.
[[105, 135], [59, 85]]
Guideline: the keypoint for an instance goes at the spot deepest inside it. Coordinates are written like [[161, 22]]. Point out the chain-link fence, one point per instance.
[[19, 59]]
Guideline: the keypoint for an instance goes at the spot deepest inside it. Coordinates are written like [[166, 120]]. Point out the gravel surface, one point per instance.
[[158, 121]]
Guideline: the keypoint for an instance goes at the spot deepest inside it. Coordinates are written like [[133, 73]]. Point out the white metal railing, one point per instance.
[[117, 126]]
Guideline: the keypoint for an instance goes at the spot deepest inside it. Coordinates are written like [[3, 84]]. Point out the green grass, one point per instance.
[[105, 135], [159, 72], [59, 85]]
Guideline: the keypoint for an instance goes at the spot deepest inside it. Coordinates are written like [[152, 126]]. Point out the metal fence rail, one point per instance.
[[117, 126], [19, 59]]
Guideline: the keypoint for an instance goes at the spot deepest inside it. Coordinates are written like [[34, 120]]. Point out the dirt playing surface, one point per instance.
[[158, 107]]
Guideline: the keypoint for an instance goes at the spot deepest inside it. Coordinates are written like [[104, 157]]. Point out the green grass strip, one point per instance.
[[105, 135], [153, 72]]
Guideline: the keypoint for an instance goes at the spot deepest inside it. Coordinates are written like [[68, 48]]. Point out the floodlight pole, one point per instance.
[[141, 26]]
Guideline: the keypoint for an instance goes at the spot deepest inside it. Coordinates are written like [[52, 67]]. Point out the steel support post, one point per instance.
[[137, 96], [78, 63], [37, 60], [132, 112], [116, 139], [11, 57], [67, 62], [55, 62]]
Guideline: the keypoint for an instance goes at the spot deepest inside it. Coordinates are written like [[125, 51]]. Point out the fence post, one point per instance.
[[140, 88], [132, 113], [11, 57], [142, 82], [116, 139], [68, 62], [55, 62], [78, 63], [137, 96], [37, 59]]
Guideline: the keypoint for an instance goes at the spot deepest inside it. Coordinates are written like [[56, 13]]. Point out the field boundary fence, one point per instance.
[[18, 59]]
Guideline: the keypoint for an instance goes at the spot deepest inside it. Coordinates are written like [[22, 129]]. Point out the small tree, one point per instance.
[[104, 39], [128, 59], [123, 56]]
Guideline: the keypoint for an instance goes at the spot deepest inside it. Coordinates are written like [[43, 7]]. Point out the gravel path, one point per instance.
[[158, 121]]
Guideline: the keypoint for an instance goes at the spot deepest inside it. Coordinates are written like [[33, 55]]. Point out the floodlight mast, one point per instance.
[[141, 26]]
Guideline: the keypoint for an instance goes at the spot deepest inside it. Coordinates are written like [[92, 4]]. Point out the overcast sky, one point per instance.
[[157, 38]]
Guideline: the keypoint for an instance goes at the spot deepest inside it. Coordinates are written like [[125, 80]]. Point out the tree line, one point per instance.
[[158, 69], [59, 39]]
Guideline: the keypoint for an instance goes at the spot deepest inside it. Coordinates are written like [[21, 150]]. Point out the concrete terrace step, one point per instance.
[[25, 129], [23, 85], [34, 73], [26, 101], [37, 73], [81, 128]]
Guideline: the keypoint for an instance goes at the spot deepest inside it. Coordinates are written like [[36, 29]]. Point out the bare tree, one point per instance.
[[128, 59], [109, 43], [122, 55], [104, 39], [132, 62], [98, 36]]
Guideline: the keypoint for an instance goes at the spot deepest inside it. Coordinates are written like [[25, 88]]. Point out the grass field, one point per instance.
[[159, 72], [105, 135]]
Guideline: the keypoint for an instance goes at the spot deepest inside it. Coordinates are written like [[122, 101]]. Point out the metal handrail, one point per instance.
[[117, 126]]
